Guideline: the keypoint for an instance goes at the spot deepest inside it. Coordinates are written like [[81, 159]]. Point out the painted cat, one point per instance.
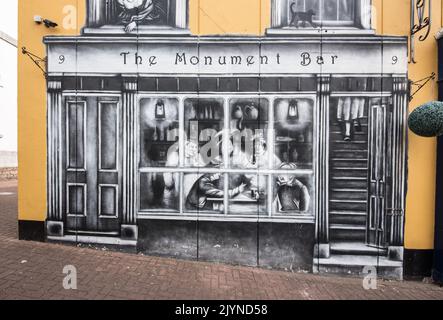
[[303, 17]]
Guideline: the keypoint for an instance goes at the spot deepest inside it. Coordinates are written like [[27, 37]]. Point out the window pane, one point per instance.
[[247, 194], [204, 193], [298, 5], [159, 191], [333, 11], [154, 12], [330, 10], [204, 122], [291, 194], [346, 10], [313, 5], [293, 124], [248, 130], [159, 132]]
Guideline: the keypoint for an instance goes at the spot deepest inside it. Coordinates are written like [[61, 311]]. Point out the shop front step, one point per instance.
[[359, 266], [356, 248]]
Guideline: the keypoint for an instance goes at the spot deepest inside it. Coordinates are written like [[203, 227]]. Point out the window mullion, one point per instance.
[[181, 132], [338, 10], [320, 11], [271, 149], [181, 191], [226, 164], [226, 193]]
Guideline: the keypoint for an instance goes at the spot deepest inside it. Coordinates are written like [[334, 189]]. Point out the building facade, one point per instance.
[[285, 150]]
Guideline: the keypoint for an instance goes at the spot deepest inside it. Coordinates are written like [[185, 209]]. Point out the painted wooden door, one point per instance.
[[378, 144], [92, 165]]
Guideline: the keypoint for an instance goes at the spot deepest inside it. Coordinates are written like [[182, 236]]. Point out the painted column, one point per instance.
[[365, 14], [96, 13], [129, 98], [398, 166], [276, 13], [321, 249], [181, 14], [54, 222]]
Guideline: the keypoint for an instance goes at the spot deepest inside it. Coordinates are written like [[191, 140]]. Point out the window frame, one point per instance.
[[101, 16], [330, 22], [182, 213], [280, 18]]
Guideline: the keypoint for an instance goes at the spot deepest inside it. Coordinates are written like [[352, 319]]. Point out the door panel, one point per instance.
[[76, 199], [93, 179], [109, 165], [108, 201], [76, 190], [76, 127], [108, 131], [377, 176]]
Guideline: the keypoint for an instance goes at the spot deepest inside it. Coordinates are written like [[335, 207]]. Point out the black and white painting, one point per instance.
[[290, 154], [133, 13]]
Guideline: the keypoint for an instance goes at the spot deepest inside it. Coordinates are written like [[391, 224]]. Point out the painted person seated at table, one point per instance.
[[292, 194], [209, 185]]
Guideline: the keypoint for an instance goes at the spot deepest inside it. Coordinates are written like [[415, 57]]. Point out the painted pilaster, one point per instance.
[[129, 98], [54, 223], [365, 14], [322, 248], [96, 13], [396, 211], [276, 13], [181, 14]]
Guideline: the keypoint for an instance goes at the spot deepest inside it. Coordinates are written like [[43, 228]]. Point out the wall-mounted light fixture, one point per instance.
[[39, 62], [48, 23], [416, 86]]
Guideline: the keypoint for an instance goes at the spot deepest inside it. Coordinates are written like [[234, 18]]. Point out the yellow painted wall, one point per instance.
[[218, 17]]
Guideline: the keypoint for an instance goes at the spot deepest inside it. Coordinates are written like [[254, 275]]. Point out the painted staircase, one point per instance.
[[348, 185]]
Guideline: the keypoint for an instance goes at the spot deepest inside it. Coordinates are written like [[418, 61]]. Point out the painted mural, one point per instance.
[[284, 151]]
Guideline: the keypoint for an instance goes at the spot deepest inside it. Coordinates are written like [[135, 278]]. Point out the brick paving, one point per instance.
[[34, 270]]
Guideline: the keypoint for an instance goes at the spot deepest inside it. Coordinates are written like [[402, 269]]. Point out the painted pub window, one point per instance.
[[321, 11], [137, 16], [302, 14], [227, 156]]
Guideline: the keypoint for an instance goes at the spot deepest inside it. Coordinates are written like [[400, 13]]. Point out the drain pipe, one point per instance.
[[437, 268]]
